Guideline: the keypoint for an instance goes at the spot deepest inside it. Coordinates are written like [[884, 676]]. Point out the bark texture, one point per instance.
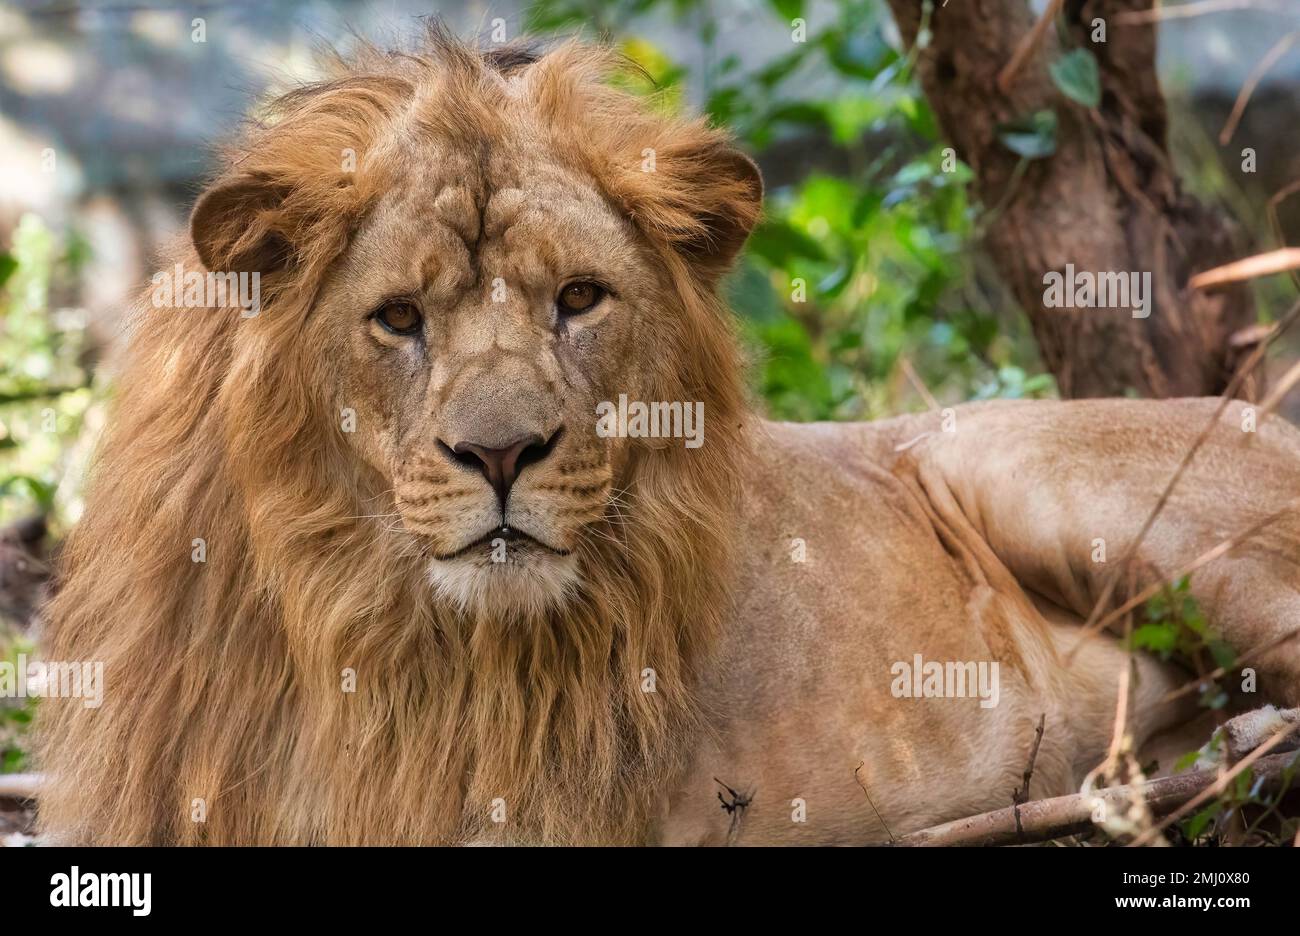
[[1045, 820], [1108, 200]]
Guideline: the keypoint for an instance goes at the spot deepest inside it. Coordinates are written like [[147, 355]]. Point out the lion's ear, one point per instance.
[[234, 226], [730, 203], [699, 193]]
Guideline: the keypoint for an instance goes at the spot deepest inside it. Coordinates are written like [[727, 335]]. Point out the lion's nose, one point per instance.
[[501, 466]]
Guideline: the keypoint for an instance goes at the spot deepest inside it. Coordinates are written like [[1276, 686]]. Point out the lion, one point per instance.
[[364, 565]]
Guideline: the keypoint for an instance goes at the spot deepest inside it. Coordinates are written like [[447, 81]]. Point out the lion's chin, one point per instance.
[[525, 585]]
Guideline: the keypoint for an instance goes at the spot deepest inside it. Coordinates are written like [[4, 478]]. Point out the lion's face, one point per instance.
[[460, 254], [476, 320], [502, 260]]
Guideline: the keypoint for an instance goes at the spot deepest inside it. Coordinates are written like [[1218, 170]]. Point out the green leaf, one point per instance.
[[849, 116], [12, 761], [750, 292], [779, 69], [1194, 826], [778, 242], [1213, 698], [7, 266], [788, 9], [1077, 77], [1193, 619], [1032, 137], [794, 384], [1242, 784], [847, 341], [723, 105], [1224, 656], [859, 54], [916, 171], [1162, 638], [40, 491], [868, 204], [800, 113], [834, 282]]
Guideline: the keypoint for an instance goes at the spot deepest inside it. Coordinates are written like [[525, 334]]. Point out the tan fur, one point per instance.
[[224, 677], [975, 544], [515, 690]]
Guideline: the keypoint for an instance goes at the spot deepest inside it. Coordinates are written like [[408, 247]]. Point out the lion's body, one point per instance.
[[287, 559], [974, 545]]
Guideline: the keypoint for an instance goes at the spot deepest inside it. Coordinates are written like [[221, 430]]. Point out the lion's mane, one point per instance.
[[223, 719]]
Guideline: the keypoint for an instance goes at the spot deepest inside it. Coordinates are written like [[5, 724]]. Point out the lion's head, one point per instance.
[[512, 243], [392, 473]]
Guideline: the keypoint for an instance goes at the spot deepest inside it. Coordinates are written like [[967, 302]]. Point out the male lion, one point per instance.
[[361, 569]]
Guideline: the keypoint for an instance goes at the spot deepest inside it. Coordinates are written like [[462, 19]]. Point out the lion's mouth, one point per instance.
[[512, 538]]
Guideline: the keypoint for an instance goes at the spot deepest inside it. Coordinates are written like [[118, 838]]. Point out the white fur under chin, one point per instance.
[[538, 584]]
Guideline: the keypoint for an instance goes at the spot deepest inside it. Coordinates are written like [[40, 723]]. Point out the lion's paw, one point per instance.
[[1238, 736]]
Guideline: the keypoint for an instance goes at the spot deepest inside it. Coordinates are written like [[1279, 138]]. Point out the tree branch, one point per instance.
[[1044, 820], [22, 786]]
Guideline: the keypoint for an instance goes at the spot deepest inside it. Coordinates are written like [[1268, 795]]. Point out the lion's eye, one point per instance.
[[580, 297], [399, 317]]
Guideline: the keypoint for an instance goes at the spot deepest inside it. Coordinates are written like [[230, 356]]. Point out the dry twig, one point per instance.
[[1280, 390], [1221, 783], [1220, 549], [23, 786], [869, 801], [1252, 82], [1187, 10], [1021, 796], [1028, 44], [917, 383], [1090, 627], [1265, 264], [1250, 656], [1044, 820]]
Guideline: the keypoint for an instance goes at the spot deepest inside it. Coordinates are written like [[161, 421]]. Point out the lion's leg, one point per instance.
[[1060, 490], [1095, 693], [1243, 734]]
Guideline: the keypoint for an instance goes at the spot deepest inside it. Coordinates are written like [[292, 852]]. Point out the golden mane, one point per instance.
[[223, 719]]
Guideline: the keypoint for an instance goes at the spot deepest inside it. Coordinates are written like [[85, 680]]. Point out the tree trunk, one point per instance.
[[1107, 200]]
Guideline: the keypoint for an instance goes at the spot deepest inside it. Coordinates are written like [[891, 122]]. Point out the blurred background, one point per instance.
[[863, 294]]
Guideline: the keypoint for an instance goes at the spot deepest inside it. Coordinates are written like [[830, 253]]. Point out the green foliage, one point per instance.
[[1012, 383], [44, 395], [16, 714], [43, 387], [1032, 137], [1175, 626], [1246, 797], [862, 262], [1076, 75]]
